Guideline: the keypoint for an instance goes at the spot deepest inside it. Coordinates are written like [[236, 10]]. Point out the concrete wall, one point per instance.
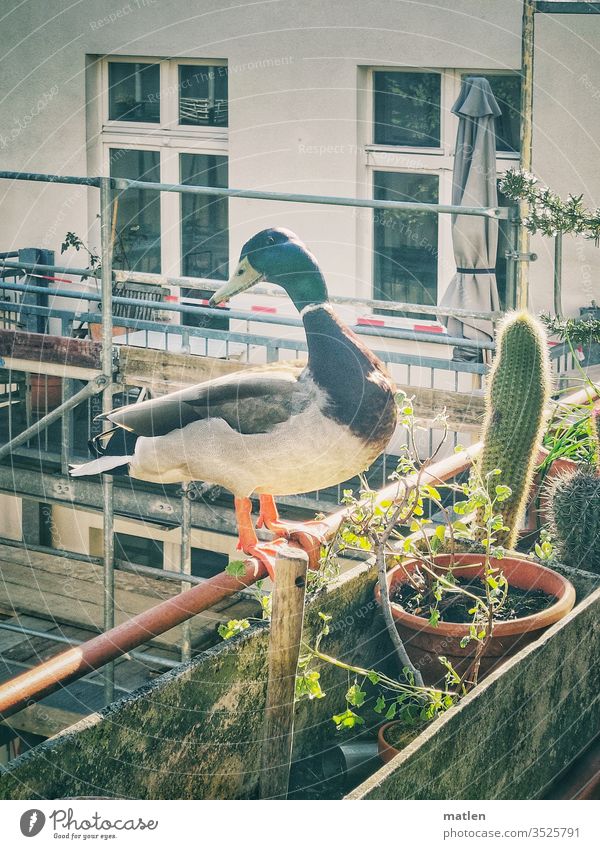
[[295, 83]]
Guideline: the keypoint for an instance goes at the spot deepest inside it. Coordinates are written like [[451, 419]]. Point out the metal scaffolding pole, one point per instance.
[[186, 566], [526, 138], [92, 388], [107, 368]]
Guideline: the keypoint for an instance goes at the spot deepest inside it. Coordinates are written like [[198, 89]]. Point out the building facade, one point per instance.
[[343, 98]]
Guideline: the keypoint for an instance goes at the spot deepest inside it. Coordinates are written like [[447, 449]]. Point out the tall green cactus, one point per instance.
[[518, 390], [575, 511]]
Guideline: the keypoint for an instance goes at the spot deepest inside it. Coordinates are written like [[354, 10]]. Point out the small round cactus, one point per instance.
[[575, 509]]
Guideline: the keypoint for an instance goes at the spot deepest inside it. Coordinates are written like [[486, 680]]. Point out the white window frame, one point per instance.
[[167, 137], [421, 160]]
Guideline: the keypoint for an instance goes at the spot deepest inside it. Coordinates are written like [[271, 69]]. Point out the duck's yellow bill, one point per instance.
[[242, 278]]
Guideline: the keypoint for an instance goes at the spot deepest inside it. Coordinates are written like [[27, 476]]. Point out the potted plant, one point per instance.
[[574, 507]]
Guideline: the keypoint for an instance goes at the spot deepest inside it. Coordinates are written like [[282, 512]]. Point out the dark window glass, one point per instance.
[[204, 229], [507, 91], [406, 242], [503, 246], [407, 108], [139, 550], [207, 563], [133, 92], [137, 235], [203, 95]]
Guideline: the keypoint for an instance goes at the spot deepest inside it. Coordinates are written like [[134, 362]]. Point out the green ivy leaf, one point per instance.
[[347, 719], [379, 705], [236, 568], [356, 696], [233, 627]]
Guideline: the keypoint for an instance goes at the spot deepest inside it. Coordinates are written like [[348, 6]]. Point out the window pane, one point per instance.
[[204, 230], [503, 246], [203, 95], [407, 109], [133, 92], [139, 550], [405, 242], [507, 91], [137, 239]]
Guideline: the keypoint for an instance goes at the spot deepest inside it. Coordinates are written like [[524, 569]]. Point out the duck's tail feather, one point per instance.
[[113, 458], [101, 465]]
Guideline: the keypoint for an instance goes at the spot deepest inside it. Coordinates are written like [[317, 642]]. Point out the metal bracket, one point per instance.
[[521, 257]]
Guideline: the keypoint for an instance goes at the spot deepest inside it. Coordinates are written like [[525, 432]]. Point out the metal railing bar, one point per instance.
[[71, 641], [92, 388], [123, 184], [261, 318], [237, 337], [153, 572], [50, 178], [212, 286]]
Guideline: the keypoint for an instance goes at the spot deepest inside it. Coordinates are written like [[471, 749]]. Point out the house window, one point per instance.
[[406, 242], [204, 219], [203, 95], [407, 109], [134, 92], [139, 550], [165, 120], [137, 232], [204, 230], [409, 146]]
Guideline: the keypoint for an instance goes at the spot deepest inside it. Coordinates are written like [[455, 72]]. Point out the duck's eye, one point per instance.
[[270, 240]]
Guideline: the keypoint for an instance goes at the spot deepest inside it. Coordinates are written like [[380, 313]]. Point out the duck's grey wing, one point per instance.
[[250, 402]]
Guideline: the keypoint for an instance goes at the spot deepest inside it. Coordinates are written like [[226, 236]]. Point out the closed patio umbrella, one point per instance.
[[475, 239]]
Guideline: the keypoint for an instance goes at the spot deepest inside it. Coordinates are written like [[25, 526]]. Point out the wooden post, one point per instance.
[[284, 649]]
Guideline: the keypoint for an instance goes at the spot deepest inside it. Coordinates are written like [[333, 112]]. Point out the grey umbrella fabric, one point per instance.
[[475, 239]]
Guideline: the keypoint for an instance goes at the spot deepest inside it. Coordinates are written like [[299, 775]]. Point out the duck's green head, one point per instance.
[[277, 256]]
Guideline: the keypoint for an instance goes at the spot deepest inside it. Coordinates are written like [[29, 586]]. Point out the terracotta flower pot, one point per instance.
[[424, 643], [386, 750], [46, 393]]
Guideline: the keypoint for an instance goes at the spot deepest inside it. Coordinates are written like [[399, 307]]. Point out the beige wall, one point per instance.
[[310, 98]]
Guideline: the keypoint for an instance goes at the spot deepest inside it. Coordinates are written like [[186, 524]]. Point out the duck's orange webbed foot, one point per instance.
[[309, 535], [265, 552]]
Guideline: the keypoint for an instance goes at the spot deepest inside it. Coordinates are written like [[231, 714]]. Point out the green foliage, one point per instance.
[[232, 628], [548, 213], [72, 240], [518, 390], [571, 434], [577, 331], [575, 509]]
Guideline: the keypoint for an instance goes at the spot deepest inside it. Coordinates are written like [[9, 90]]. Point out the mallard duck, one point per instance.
[[267, 432]]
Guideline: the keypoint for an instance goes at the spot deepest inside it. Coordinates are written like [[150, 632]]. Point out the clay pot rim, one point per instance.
[[552, 582], [385, 749]]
